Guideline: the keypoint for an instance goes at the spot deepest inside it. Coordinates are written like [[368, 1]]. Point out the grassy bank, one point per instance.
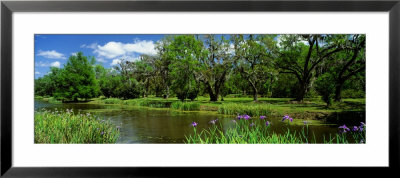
[[67, 127], [310, 108]]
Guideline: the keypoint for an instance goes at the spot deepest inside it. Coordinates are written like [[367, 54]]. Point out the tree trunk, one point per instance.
[[255, 93], [167, 94], [213, 97], [338, 91], [302, 92]]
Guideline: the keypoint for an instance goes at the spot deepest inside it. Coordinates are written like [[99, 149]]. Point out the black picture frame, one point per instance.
[[8, 7]]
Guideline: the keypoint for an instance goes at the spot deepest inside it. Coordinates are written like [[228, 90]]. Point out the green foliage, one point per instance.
[[325, 86], [185, 51], [75, 81], [189, 66], [352, 93], [70, 127]]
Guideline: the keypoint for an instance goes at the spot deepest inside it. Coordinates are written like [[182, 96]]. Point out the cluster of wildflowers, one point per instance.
[[244, 116], [287, 117], [344, 128]]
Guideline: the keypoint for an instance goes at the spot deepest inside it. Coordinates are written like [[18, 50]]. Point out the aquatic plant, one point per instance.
[[244, 131]]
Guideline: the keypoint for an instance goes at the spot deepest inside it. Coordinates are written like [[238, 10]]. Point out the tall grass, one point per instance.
[[111, 101], [67, 127], [250, 109], [186, 106]]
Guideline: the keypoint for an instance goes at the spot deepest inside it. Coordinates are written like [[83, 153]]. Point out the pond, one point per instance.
[[150, 125]]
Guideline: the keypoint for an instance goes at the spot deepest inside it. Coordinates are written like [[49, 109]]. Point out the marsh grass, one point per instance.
[[252, 110], [185, 106], [69, 127], [111, 101]]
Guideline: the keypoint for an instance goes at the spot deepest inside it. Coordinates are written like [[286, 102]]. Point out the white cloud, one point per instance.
[[125, 58], [102, 60], [55, 64], [37, 73], [47, 64], [110, 50], [142, 47], [115, 62], [114, 49], [51, 54], [91, 46], [74, 54]]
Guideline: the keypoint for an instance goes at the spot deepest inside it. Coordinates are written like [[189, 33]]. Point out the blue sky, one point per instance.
[[54, 50]]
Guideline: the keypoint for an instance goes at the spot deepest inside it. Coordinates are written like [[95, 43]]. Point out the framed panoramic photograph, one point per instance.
[[168, 88]]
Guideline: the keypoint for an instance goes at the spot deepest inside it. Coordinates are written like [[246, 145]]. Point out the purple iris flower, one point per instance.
[[194, 124], [102, 133], [361, 127], [305, 122], [286, 117], [267, 123], [252, 124], [344, 129], [355, 128], [247, 117], [263, 117], [239, 117]]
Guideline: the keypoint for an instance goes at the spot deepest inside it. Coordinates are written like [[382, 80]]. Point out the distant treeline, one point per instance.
[[291, 66]]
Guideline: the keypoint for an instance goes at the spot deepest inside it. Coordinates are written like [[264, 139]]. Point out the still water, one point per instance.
[[149, 125]]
